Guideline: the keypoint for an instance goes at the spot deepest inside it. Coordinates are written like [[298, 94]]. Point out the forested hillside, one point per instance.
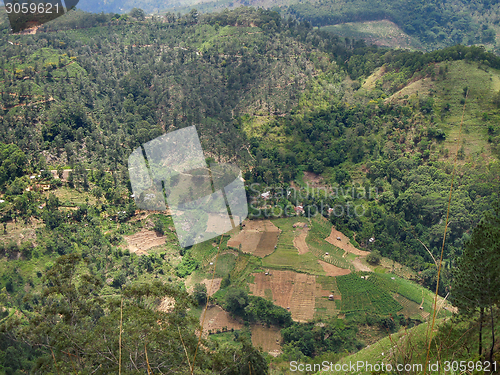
[[289, 104], [435, 24]]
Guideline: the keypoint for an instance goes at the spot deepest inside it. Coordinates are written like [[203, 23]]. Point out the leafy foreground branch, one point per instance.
[[76, 329]]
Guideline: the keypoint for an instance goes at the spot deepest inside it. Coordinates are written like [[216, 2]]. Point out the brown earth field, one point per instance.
[[217, 319], [293, 291], [267, 243], [144, 240], [258, 237], [269, 339], [211, 287], [260, 225], [344, 243], [332, 270], [360, 266]]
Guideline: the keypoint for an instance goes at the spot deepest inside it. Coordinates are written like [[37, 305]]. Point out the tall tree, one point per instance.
[[476, 285]]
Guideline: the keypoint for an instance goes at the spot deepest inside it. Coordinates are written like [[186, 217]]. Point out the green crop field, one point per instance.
[[360, 295], [407, 289], [286, 255]]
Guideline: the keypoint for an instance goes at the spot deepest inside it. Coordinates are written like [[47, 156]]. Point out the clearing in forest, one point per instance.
[[144, 240], [267, 338], [217, 319]]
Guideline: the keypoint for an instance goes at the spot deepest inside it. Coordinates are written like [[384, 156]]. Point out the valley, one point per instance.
[[347, 152]]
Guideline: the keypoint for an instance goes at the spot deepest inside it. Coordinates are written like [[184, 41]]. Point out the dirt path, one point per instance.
[[344, 243]]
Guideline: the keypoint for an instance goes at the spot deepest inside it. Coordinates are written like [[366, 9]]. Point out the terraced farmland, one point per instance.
[[359, 294]]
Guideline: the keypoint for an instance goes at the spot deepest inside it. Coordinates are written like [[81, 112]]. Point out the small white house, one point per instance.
[[265, 195]]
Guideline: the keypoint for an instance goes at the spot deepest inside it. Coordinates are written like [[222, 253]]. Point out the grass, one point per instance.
[[482, 82], [380, 351], [286, 255], [320, 229], [225, 264], [71, 197], [384, 33]]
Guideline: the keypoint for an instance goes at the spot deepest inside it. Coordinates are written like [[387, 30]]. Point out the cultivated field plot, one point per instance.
[[344, 243], [324, 250], [359, 294], [410, 308], [411, 291], [258, 237], [217, 319], [286, 255], [290, 290], [267, 244], [325, 308], [212, 285], [144, 240], [268, 339], [332, 270]]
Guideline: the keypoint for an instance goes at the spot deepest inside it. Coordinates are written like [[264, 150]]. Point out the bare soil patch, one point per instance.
[[167, 304], [269, 339], [360, 266], [248, 239], [260, 225], [299, 241], [212, 285], [217, 319], [267, 244], [312, 178], [258, 237], [290, 290], [332, 270], [144, 240], [344, 243]]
